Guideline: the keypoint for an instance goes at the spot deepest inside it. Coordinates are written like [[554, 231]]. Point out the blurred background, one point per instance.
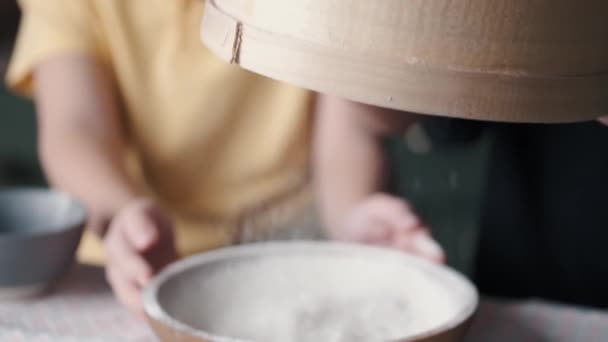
[[18, 160]]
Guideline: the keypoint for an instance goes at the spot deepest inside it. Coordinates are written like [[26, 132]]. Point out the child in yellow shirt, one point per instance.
[[169, 147]]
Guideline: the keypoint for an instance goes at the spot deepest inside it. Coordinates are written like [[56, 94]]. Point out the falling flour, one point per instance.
[[306, 299]]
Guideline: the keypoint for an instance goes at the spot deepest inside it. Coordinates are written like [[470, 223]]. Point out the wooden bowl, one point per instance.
[[499, 60], [308, 291]]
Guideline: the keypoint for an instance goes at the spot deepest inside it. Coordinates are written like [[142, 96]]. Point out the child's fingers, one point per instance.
[[125, 291], [420, 243], [123, 256], [386, 205], [394, 212], [378, 234], [140, 230], [424, 244]]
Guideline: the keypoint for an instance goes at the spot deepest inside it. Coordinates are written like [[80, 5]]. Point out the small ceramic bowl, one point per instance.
[[39, 232], [308, 291]]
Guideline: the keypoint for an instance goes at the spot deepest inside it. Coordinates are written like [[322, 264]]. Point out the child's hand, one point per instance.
[[139, 243], [388, 221]]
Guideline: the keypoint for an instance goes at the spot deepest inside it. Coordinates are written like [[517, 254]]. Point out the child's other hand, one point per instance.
[[139, 242], [389, 221]]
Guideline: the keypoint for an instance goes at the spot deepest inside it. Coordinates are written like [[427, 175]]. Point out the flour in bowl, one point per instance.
[[315, 299]]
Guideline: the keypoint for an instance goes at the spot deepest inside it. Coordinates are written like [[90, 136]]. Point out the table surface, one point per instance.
[[83, 309]]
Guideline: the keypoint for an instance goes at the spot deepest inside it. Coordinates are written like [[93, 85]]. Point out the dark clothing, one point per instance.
[[544, 212]]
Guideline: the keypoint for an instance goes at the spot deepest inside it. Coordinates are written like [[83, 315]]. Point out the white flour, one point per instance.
[[304, 299]]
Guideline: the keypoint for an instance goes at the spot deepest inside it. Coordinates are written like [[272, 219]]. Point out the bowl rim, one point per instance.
[[155, 311], [79, 220]]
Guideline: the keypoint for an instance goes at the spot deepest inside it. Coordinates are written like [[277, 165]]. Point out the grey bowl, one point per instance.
[[40, 230]]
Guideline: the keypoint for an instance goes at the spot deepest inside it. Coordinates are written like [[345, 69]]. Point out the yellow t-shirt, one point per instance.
[[211, 140]]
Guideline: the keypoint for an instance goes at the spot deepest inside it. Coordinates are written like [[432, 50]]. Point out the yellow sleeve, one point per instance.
[[50, 28]]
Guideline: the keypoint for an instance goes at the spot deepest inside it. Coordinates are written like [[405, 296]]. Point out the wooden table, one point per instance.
[[82, 309]]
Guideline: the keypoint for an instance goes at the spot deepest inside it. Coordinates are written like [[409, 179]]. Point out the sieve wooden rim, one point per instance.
[[414, 88]]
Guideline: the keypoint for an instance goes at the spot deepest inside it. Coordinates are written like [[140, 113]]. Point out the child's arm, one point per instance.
[[349, 169], [81, 140], [82, 148]]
